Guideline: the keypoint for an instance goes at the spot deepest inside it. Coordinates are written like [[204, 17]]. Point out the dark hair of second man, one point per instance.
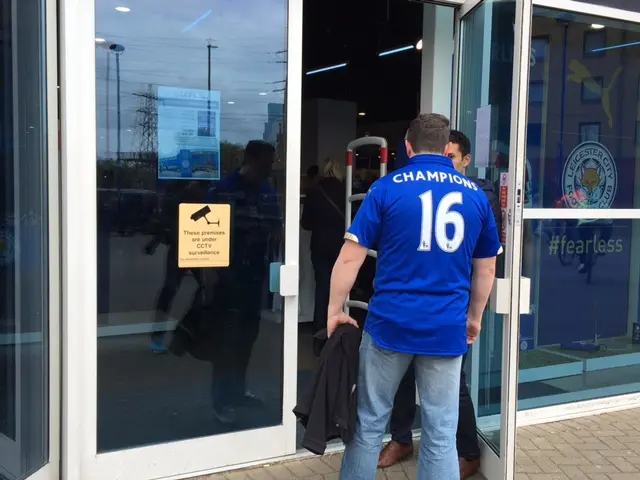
[[463, 142], [429, 133], [259, 150]]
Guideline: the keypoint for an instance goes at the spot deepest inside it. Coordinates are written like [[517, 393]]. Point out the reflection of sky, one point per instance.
[[166, 44]]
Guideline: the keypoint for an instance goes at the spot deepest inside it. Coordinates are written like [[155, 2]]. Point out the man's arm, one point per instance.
[[361, 236], [345, 272], [484, 272]]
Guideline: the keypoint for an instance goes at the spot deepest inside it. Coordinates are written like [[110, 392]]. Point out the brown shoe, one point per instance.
[[393, 453], [468, 468]]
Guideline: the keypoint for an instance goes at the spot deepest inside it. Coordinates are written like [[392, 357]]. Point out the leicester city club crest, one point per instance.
[[590, 177]]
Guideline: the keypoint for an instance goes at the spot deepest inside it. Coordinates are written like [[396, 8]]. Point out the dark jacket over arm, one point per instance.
[[327, 408]]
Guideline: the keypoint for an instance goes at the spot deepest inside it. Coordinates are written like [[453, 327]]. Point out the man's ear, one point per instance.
[[447, 149], [466, 160], [407, 145]]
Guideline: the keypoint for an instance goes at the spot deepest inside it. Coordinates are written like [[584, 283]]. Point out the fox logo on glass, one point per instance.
[[590, 177]]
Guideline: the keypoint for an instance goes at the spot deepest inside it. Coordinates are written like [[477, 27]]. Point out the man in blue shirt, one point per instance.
[[404, 407], [430, 226]]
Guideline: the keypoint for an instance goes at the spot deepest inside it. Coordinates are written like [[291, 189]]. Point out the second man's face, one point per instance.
[[460, 162]]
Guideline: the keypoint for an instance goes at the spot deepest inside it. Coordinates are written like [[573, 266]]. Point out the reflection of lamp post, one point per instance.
[[210, 46], [117, 49]]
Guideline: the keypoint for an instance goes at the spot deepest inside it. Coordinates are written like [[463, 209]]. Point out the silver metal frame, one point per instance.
[[52, 469], [468, 6], [455, 76], [518, 145]]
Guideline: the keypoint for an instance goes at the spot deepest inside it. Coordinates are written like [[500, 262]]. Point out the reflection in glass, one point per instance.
[[630, 5], [23, 242], [585, 152], [485, 90], [585, 315], [190, 109]]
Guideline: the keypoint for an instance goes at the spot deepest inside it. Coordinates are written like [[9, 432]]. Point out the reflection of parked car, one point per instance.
[[127, 211]]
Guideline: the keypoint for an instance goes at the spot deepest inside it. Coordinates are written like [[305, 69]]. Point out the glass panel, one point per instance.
[[485, 117], [631, 5], [586, 153], [23, 241], [586, 315], [190, 110]]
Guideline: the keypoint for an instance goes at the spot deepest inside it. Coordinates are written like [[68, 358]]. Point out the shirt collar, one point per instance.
[[431, 159]]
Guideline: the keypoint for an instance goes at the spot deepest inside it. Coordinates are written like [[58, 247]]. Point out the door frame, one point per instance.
[[179, 459], [502, 465]]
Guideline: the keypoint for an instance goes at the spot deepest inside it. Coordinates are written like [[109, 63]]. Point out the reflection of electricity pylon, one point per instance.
[[147, 124]]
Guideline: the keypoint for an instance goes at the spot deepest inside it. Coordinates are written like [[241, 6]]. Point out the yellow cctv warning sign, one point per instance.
[[204, 232]]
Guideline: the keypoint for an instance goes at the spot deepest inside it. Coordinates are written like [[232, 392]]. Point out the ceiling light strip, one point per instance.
[[327, 69], [396, 50]]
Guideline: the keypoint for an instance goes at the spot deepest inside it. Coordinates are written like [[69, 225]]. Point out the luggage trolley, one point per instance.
[[358, 197]]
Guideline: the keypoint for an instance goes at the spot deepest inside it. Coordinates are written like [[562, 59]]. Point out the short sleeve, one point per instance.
[[488, 244], [365, 229]]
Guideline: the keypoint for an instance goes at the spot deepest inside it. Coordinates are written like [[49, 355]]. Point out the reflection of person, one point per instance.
[[586, 228], [323, 215], [239, 292], [431, 225], [182, 192], [404, 405]]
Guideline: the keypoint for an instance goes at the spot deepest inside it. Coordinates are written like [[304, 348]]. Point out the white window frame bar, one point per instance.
[[180, 459], [293, 122], [580, 213], [79, 236], [581, 8]]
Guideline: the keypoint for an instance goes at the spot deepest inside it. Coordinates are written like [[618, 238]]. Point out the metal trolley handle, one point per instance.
[[358, 197]]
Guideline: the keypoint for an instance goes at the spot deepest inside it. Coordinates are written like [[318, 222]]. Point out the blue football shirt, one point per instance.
[[427, 222], [256, 215]]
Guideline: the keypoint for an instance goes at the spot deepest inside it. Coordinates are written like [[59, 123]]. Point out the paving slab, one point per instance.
[[599, 447]]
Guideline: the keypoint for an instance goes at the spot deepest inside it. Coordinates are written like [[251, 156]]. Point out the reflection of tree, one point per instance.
[[132, 173], [231, 156]]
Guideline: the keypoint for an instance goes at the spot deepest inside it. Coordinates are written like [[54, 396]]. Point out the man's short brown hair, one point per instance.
[[429, 133]]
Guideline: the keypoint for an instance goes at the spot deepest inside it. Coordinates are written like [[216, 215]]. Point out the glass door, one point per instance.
[[490, 106], [186, 294], [583, 144], [28, 243]]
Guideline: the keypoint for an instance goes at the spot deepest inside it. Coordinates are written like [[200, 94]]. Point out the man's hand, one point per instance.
[[334, 321], [473, 329]]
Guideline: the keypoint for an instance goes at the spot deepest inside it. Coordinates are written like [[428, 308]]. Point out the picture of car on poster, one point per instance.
[[190, 165]]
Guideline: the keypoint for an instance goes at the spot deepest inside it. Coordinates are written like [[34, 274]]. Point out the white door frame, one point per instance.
[[181, 459], [502, 466]]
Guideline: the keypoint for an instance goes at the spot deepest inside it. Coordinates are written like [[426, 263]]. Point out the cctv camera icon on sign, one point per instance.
[[202, 213]]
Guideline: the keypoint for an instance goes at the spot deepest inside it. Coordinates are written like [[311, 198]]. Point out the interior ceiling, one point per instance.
[[356, 31]]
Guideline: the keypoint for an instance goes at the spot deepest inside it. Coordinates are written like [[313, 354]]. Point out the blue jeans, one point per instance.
[[438, 381]]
